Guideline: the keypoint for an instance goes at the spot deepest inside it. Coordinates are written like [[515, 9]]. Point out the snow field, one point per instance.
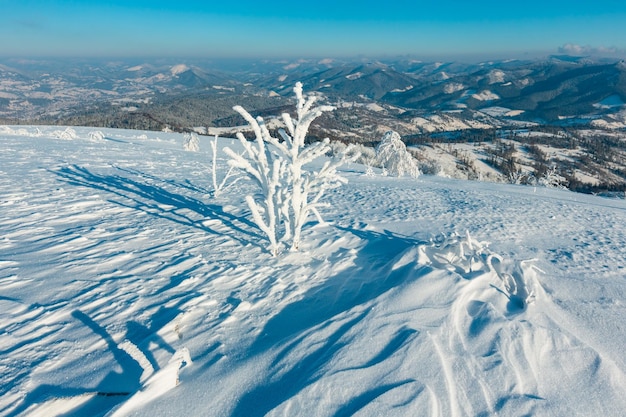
[[125, 289]]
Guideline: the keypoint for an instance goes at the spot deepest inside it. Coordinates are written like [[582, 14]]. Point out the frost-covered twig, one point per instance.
[[220, 186]]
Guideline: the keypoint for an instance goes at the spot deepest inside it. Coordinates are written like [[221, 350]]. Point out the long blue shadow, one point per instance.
[[150, 198], [373, 274], [112, 390]]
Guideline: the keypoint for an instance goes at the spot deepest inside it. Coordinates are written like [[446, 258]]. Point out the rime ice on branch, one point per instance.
[[288, 191]]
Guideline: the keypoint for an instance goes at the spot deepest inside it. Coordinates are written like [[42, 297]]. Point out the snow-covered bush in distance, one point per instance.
[[361, 154], [67, 134], [17, 132], [552, 179], [289, 191], [391, 153], [431, 167], [191, 142], [95, 135]]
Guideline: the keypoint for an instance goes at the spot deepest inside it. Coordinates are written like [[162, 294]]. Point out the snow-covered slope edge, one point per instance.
[[125, 289]]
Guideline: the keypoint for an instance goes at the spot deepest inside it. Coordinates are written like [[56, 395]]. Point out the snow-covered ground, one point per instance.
[[127, 289]]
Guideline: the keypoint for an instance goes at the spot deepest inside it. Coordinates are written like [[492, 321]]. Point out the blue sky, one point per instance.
[[319, 28]]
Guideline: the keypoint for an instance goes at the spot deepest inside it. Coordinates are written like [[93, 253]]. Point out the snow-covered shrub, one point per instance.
[[96, 136], [392, 154], [361, 154], [455, 252], [191, 142], [552, 179], [289, 192], [367, 155], [6, 130], [67, 134], [471, 258]]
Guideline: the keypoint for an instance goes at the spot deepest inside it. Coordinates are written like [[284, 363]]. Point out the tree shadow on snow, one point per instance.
[[375, 272], [116, 386], [150, 198], [112, 390]]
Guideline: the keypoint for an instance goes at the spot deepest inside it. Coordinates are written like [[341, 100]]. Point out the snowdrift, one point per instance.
[[127, 289]]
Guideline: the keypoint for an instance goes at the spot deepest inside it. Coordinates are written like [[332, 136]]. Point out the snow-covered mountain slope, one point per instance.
[[126, 289]]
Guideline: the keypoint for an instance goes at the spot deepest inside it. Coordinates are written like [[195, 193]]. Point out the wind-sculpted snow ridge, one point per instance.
[[126, 289]]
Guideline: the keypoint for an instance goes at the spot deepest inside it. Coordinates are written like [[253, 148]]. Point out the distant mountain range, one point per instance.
[[550, 90], [509, 120]]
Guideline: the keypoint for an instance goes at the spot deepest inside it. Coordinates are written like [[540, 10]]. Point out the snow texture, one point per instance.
[[126, 290]]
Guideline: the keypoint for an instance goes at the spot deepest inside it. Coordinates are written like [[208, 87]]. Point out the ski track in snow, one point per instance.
[[125, 289]]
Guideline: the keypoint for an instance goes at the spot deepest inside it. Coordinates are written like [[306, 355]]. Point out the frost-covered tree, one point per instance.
[[392, 154], [289, 191], [191, 142]]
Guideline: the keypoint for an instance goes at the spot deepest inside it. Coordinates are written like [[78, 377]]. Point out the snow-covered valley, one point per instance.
[[126, 288]]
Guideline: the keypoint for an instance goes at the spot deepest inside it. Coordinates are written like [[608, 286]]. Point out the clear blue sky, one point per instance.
[[247, 28]]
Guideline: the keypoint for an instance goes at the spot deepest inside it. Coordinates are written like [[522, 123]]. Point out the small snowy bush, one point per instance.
[[191, 142], [460, 253], [289, 192], [552, 179], [357, 152], [67, 134], [470, 258], [96, 136], [392, 154]]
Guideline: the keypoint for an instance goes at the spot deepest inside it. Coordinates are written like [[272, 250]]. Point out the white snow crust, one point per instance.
[[127, 289]]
